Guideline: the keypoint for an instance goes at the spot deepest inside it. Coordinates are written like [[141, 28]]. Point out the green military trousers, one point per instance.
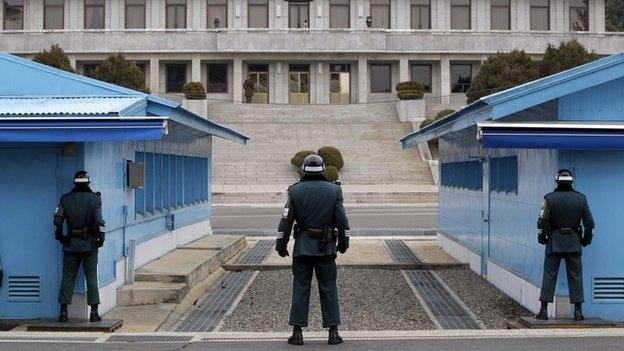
[[574, 270], [71, 263], [325, 268]]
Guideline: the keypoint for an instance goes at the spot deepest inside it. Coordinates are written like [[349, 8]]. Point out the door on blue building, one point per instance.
[[28, 252], [485, 216]]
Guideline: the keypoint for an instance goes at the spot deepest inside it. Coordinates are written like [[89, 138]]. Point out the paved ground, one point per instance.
[[371, 299], [364, 219], [489, 304]]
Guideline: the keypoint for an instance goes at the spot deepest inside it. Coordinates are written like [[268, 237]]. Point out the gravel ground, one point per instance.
[[370, 299], [488, 303]]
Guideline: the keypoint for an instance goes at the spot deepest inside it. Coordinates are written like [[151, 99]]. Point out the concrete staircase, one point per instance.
[[169, 278], [367, 135]]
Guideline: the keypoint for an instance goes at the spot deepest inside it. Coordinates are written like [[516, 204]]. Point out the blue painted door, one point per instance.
[[29, 253], [485, 216]]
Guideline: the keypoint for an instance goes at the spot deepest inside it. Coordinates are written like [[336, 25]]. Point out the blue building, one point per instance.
[[53, 123], [498, 157]]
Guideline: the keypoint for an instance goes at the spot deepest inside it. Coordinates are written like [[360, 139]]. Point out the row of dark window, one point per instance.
[[299, 14], [469, 174], [171, 181]]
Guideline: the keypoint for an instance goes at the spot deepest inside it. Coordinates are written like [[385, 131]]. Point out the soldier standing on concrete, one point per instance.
[[317, 206], [559, 228], [81, 209]]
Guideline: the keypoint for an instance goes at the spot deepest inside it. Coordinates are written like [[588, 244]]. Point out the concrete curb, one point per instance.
[[386, 266], [354, 232]]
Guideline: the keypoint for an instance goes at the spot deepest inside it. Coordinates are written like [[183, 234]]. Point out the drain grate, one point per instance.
[[400, 252], [449, 312], [149, 338], [214, 306], [27, 338], [258, 253]]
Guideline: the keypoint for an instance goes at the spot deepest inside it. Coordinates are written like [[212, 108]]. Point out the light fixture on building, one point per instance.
[[217, 23], [369, 21]]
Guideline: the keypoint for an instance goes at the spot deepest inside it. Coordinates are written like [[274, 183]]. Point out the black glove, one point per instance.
[[343, 246], [587, 239], [99, 243], [281, 246], [283, 253], [62, 238], [542, 239]]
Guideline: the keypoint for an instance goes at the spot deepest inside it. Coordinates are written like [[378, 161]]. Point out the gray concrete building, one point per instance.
[[299, 51]]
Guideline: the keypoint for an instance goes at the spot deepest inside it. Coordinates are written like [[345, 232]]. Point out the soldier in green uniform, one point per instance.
[[559, 228], [81, 210], [316, 205]]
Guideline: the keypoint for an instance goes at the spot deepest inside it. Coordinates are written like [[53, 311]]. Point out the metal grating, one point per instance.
[[449, 312], [608, 289], [149, 338], [258, 253], [27, 338], [24, 289], [400, 252], [213, 308]]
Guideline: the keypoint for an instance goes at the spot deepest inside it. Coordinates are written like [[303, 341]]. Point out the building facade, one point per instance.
[[498, 158], [321, 51]]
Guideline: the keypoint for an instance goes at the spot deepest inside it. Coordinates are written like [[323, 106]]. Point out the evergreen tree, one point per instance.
[[568, 55], [55, 57], [614, 10], [502, 71], [119, 71]]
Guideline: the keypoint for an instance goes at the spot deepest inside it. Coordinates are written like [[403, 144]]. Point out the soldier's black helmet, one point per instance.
[[82, 177], [313, 164], [564, 176]]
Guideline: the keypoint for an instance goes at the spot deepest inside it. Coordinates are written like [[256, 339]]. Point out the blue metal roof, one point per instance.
[[67, 106], [522, 97], [33, 79]]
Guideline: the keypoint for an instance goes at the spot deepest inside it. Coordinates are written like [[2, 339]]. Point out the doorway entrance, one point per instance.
[[299, 84], [340, 84], [259, 77], [299, 14]]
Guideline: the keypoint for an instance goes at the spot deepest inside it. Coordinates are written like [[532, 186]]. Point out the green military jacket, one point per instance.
[[563, 210], [80, 209], [312, 203]]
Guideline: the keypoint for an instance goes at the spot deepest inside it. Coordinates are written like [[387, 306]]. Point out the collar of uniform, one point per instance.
[[309, 177]]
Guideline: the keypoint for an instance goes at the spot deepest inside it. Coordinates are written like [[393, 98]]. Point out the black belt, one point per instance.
[[79, 233], [566, 231]]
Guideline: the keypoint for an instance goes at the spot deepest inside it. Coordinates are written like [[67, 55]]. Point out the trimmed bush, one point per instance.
[[119, 71], [55, 57], [568, 54], [331, 156], [409, 90], [194, 91], [332, 173], [297, 160], [443, 113], [426, 122]]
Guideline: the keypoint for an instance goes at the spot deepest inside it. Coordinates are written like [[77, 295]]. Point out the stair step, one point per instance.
[[150, 293]]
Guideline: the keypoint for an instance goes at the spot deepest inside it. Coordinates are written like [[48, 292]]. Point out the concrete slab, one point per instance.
[[430, 252], [146, 318], [229, 245], [181, 266], [149, 293], [105, 325], [559, 323]]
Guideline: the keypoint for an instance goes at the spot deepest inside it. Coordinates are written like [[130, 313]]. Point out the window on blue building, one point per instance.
[[462, 175], [504, 174], [171, 181]]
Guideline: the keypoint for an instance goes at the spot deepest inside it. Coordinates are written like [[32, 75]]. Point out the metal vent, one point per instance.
[[609, 289], [27, 338], [24, 288], [149, 338]]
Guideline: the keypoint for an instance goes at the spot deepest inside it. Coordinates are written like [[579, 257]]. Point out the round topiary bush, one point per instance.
[[332, 173], [426, 122], [410, 95], [194, 91], [331, 156], [444, 113], [297, 160], [410, 85]]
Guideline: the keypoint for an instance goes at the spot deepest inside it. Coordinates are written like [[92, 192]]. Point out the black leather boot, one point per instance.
[[297, 337], [63, 315], [543, 312], [334, 337], [94, 316], [578, 312]]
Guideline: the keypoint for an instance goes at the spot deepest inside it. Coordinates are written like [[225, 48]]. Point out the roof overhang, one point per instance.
[[81, 128], [561, 135]]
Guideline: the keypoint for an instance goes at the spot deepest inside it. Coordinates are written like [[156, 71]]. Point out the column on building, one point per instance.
[[362, 80], [404, 74], [154, 72], [445, 80], [237, 80], [195, 68]]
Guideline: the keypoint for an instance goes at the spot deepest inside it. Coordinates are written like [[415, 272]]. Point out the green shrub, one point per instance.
[[55, 57], [119, 71], [410, 95], [194, 91], [331, 156], [410, 85], [332, 173], [568, 54], [297, 160], [426, 122], [443, 113], [300, 172]]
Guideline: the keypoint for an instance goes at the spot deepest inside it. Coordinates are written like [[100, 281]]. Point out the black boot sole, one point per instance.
[[295, 342]]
